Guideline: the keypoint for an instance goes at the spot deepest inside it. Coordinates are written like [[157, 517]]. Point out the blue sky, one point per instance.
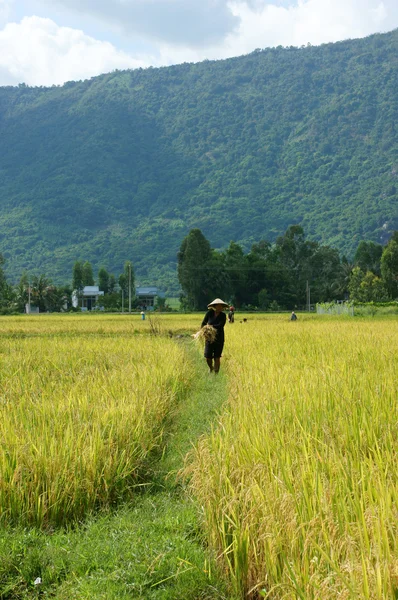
[[45, 42]]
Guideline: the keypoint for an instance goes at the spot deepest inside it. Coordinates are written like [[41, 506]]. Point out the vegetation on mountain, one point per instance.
[[126, 164]]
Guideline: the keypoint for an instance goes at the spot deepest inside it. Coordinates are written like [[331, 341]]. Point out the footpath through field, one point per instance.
[[152, 548]]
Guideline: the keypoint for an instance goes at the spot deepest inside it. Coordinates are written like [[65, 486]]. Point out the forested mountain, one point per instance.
[[123, 165]]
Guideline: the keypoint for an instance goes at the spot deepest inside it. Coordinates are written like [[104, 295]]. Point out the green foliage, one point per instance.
[[77, 277], [88, 277], [367, 257], [126, 164], [366, 287], [194, 260], [389, 266], [281, 273], [103, 280]]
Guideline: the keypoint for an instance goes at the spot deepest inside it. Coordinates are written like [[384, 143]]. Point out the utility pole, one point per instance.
[[129, 287], [308, 297], [29, 296], [122, 301]]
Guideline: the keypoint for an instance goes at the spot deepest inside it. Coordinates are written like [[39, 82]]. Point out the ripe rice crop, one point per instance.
[[82, 404], [299, 482]]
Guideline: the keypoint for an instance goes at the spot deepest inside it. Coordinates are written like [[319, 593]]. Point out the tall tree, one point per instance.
[[367, 257], [326, 274], [389, 266], [111, 283], [295, 254], [103, 280], [77, 277], [4, 291], [40, 291], [366, 287], [237, 273], [88, 277], [194, 259]]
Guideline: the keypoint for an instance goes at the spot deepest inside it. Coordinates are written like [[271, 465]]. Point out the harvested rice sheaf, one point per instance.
[[207, 333]]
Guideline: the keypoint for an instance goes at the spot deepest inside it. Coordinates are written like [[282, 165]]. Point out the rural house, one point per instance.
[[89, 298], [147, 296]]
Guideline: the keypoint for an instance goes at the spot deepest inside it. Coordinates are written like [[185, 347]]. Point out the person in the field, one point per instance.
[[231, 314], [216, 318]]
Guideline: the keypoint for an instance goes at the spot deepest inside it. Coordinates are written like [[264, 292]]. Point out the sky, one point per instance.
[[47, 42]]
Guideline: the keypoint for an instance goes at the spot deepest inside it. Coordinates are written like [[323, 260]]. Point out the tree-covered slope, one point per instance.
[[123, 165]]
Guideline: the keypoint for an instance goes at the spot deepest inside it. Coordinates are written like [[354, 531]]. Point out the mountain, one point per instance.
[[123, 165]]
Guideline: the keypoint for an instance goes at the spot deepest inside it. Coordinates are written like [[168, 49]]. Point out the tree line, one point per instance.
[[39, 290], [288, 274]]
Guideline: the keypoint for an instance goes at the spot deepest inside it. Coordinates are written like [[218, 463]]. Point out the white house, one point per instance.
[[88, 299]]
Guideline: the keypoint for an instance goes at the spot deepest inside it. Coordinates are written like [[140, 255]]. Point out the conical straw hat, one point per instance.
[[218, 301]]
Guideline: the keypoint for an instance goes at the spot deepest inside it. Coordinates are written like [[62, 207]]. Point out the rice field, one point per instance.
[[82, 405], [299, 480]]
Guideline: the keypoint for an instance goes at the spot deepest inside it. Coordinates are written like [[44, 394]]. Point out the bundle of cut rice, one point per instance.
[[207, 333]]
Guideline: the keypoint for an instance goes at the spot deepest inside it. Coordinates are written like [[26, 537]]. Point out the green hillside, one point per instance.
[[122, 166]]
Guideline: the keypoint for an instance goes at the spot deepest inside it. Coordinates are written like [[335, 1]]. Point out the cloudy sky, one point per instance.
[[45, 42]]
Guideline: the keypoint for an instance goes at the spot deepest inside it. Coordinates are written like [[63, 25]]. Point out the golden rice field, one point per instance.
[[82, 404], [299, 480]]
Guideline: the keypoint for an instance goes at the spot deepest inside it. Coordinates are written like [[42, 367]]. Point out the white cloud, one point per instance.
[[262, 24], [5, 10], [39, 52], [195, 23]]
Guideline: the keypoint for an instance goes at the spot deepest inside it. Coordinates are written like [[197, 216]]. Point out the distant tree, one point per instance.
[[77, 277], [4, 288], [21, 291], [366, 287], [123, 284], [194, 258], [367, 257], [325, 274], [256, 272], [295, 254], [40, 291], [344, 277], [236, 268], [263, 299], [111, 284], [88, 277], [103, 280], [389, 266]]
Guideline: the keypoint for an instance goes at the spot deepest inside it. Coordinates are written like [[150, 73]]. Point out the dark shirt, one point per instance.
[[216, 321]]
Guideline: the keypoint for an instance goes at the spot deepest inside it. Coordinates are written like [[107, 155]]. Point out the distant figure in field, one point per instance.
[[217, 319], [231, 314], [293, 316]]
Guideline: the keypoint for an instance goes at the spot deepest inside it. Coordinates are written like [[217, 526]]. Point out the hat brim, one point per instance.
[[218, 302]]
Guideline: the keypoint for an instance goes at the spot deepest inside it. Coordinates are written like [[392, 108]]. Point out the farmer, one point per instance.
[[293, 316], [216, 318], [231, 314]]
